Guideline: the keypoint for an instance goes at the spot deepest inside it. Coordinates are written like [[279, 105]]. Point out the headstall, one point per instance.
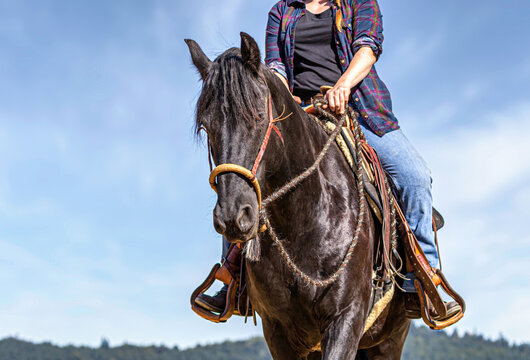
[[250, 175]]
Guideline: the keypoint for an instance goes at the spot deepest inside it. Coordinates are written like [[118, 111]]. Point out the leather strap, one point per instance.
[[427, 281], [241, 170], [383, 192]]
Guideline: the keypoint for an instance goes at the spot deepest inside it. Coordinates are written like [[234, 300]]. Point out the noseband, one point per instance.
[[250, 175]]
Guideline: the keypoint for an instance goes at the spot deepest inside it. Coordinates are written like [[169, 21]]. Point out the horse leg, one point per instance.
[[391, 348], [342, 338], [277, 341]]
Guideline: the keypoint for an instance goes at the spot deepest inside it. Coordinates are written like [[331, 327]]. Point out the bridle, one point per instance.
[[250, 175]]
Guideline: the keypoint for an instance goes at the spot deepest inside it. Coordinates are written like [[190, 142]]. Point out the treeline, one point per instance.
[[425, 344], [422, 344]]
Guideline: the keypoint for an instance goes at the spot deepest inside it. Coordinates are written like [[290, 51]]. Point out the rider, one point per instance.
[[337, 43]]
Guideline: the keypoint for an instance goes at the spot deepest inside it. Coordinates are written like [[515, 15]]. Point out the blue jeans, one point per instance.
[[413, 181]]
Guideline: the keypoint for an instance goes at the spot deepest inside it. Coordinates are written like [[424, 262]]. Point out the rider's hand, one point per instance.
[[338, 97], [297, 99]]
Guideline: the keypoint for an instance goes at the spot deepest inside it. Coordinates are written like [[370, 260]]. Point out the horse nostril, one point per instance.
[[218, 224], [245, 219]]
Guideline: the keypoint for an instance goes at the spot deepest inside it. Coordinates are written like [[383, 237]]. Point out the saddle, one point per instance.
[[428, 280]]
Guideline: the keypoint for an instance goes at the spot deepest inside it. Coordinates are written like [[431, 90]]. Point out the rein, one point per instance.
[[262, 205], [298, 179]]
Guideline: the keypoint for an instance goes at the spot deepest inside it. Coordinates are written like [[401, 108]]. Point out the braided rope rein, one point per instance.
[[264, 219]]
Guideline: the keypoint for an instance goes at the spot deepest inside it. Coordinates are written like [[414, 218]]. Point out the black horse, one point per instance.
[[316, 221]]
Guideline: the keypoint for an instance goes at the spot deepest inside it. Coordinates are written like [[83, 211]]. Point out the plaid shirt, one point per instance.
[[358, 24]]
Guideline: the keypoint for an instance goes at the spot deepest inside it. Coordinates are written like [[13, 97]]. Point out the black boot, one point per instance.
[[215, 303], [413, 311]]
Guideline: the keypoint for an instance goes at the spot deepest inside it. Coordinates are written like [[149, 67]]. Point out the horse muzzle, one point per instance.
[[237, 222]]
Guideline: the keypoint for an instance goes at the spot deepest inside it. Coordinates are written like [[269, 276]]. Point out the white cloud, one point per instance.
[[482, 186], [473, 163]]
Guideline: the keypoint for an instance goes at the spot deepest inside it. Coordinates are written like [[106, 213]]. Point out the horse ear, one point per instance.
[[200, 60], [250, 52]]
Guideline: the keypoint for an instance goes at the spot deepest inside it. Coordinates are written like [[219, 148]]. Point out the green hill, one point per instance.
[[421, 344]]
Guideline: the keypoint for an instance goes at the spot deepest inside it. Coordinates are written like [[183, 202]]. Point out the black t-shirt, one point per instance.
[[316, 61]]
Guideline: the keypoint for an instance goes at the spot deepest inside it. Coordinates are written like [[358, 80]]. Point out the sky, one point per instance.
[[105, 208]]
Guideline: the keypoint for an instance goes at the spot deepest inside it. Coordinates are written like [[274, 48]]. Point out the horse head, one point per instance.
[[235, 108]]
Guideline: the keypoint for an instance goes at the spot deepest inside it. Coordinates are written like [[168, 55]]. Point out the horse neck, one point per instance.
[[303, 142], [303, 139]]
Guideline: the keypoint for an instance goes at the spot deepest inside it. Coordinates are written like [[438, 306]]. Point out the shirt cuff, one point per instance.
[[278, 67], [371, 43]]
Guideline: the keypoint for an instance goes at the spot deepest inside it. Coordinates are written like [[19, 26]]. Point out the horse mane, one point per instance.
[[234, 90]]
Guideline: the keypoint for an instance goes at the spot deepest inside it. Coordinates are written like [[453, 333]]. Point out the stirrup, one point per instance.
[[427, 282], [224, 273], [441, 322]]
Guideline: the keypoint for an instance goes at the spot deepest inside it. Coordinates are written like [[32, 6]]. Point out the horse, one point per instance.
[[240, 97]]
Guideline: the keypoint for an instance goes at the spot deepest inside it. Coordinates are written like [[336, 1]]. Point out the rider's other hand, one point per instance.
[[297, 99], [338, 97]]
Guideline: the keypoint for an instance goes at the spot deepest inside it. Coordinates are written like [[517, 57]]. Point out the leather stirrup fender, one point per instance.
[[427, 282]]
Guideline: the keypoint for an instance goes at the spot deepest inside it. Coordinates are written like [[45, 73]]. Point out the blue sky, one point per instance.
[[105, 210]]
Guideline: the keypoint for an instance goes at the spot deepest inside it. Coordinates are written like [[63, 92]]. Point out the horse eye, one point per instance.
[[204, 123], [202, 129]]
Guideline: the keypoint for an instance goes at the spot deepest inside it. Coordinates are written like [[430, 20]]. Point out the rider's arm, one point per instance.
[[366, 45], [273, 58], [367, 26], [360, 66]]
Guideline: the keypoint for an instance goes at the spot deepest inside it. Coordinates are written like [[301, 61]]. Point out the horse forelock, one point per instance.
[[231, 93]]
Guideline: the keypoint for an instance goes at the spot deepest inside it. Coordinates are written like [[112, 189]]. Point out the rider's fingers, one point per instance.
[[342, 102], [331, 100], [337, 102]]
